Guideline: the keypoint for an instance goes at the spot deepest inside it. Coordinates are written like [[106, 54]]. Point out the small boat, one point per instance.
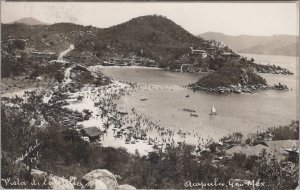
[[122, 113], [213, 110], [194, 115], [108, 63], [188, 110]]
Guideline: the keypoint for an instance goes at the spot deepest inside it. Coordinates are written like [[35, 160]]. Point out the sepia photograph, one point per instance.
[[150, 95]]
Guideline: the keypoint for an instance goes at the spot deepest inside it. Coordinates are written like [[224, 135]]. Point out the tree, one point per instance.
[[18, 134]]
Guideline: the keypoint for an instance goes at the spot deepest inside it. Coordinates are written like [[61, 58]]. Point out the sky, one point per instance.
[[262, 19]]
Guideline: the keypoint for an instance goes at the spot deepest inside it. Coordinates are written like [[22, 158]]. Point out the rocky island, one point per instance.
[[227, 71], [230, 80]]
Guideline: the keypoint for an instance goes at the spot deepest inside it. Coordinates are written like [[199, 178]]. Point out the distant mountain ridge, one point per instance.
[[270, 45], [30, 21]]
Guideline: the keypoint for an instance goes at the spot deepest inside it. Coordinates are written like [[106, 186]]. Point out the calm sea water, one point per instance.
[[246, 113]]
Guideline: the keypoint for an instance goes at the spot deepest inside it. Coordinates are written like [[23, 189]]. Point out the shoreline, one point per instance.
[[126, 67], [236, 89]]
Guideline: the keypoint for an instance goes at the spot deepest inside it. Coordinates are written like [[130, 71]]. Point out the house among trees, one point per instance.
[[213, 43], [52, 62], [229, 54], [93, 133], [198, 52], [43, 55]]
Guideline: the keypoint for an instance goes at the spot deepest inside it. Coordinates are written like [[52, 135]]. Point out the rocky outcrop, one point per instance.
[[96, 184], [126, 187], [244, 77], [96, 179], [104, 180], [51, 181], [238, 89], [79, 75], [273, 69], [231, 89], [59, 183], [105, 176], [279, 86]]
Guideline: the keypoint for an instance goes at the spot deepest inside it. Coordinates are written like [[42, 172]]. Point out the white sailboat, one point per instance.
[[213, 110]]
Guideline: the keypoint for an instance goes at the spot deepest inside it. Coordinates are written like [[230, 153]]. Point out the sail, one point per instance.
[[213, 110]]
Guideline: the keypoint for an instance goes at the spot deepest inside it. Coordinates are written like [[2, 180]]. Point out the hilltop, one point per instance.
[[158, 37], [151, 29], [269, 45], [30, 21]]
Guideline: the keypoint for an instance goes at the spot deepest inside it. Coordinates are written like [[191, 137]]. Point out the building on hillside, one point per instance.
[[58, 62], [144, 61], [108, 63], [213, 43], [119, 61], [43, 55], [197, 51], [280, 148], [229, 54], [93, 133], [211, 50], [203, 53]]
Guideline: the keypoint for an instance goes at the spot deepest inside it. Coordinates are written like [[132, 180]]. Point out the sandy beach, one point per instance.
[[126, 127], [132, 123]]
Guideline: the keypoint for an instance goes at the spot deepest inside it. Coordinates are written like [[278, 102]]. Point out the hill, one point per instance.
[[153, 37], [55, 37], [30, 21], [269, 45], [152, 29], [158, 37]]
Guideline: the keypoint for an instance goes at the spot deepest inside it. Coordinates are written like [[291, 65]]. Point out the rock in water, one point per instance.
[[60, 183], [96, 184], [104, 175], [126, 187]]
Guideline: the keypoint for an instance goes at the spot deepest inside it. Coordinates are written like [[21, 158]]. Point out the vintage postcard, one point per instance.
[[149, 95]]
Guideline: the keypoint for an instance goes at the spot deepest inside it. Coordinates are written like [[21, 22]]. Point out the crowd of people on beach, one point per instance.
[[129, 124], [134, 126]]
